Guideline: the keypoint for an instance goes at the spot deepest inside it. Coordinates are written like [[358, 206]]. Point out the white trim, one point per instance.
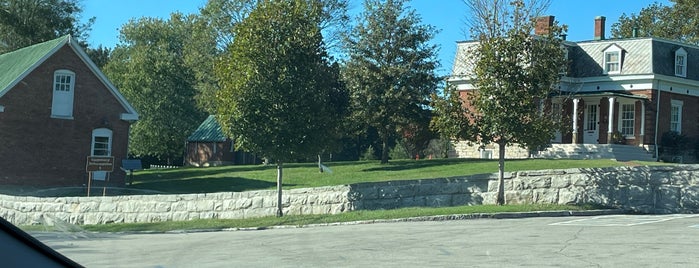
[[101, 132], [614, 48], [679, 104], [620, 116], [610, 115], [31, 68], [681, 53], [63, 100], [575, 116], [130, 115]]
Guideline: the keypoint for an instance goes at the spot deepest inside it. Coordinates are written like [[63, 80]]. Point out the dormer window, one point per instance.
[[612, 59], [681, 62]]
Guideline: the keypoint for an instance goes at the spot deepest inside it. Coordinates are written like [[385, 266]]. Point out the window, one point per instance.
[[681, 62], [627, 119], [676, 116], [612, 60], [101, 142], [63, 92], [591, 123]]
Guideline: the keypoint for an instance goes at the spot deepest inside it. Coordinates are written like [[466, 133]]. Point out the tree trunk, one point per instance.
[[320, 164], [384, 152], [501, 178], [279, 189]]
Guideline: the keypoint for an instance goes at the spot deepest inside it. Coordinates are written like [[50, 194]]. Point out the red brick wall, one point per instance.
[[690, 114], [36, 149]]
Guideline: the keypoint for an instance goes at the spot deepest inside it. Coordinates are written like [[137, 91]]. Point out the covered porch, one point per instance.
[[604, 118]]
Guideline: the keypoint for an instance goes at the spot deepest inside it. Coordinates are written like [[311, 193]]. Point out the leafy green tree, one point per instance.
[[100, 55], [391, 68], [221, 18], [223, 15], [450, 117], [277, 85], [680, 21], [24, 23], [513, 70], [158, 66]]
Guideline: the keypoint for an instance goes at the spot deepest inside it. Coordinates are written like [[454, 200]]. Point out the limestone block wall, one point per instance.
[[655, 189], [462, 149], [24, 210]]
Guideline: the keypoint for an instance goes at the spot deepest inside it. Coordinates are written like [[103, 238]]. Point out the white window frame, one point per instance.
[[676, 115], [627, 117], [59, 84], [101, 133], [681, 62], [613, 49]]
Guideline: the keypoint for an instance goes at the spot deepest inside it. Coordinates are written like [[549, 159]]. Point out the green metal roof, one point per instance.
[[208, 131], [15, 64]]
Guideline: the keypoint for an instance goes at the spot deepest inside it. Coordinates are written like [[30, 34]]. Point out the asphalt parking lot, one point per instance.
[[597, 241]]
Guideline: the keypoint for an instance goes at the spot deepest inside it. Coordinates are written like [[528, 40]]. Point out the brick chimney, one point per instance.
[[599, 27], [543, 25]]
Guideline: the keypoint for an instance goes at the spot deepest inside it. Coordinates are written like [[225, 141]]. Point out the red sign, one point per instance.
[[100, 163]]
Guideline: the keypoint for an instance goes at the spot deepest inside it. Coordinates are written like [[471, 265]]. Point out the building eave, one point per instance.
[[130, 111]]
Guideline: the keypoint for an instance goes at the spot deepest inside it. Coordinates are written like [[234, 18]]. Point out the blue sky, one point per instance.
[[446, 15]]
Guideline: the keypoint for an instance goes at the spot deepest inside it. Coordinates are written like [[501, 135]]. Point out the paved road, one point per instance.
[[601, 241]]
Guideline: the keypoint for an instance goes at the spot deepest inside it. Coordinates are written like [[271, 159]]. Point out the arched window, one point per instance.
[[101, 142], [63, 92], [681, 62]]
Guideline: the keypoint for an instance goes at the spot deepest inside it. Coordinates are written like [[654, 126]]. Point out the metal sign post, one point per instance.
[[98, 163]]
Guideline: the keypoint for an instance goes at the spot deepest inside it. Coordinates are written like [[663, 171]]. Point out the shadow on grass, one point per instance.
[[206, 185], [418, 164]]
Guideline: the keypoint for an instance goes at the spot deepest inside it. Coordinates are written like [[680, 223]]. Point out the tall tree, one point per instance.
[[277, 85], [100, 55], [158, 66], [223, 15], [24, 23], [512, 71], [680, 21], [450, 117], [391, 68]]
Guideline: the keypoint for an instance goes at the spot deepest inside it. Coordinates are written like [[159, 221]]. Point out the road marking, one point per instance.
[[623, 220]]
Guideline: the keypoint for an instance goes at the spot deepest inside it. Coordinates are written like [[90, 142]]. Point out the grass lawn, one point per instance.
[[300, 220], [243, 178]]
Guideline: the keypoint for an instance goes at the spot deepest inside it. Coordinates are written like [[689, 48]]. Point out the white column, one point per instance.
[[643, 123], [575, 116], [611, 116]]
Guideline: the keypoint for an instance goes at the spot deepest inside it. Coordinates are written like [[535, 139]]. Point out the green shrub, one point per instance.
[[618, 138], [673, 146], [369, 154]]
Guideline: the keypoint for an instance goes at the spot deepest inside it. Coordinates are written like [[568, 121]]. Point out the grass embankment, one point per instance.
[[245, 178], [301, 220]]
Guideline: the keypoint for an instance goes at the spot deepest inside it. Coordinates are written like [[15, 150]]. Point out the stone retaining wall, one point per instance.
[[658, 189], [23, 210]]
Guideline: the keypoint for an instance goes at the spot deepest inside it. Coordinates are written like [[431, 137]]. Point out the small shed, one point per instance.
[[209, 146]]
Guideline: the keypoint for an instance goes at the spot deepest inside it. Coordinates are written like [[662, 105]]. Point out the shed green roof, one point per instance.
[[209, 131], [16, 63]]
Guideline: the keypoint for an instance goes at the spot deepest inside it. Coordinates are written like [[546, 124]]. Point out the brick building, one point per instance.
[[635, 88], [57, 108], [209, 146]]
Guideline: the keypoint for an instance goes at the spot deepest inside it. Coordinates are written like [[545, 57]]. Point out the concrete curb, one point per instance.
[[453, 217]]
